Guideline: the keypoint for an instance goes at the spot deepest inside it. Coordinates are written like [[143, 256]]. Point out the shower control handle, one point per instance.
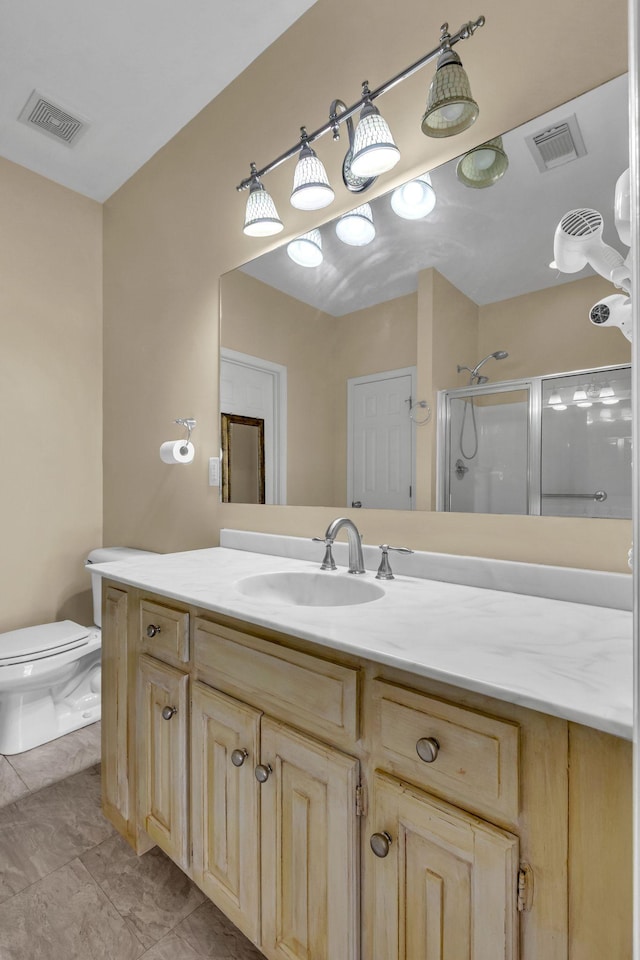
[[153, 629], [427, 749]]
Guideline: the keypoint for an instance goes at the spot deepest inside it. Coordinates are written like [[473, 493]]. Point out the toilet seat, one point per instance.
[[41, 641]]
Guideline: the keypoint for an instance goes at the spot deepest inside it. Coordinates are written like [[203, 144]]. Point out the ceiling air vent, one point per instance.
[[557, 145], [49, 118]]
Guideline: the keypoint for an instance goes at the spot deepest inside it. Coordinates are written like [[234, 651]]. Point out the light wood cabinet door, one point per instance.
[[115, 706], [309, 841], [447, 887], [162, 758], [225, 812]]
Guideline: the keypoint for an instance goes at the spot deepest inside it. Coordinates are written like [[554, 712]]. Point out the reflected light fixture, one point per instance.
[[306, 250], [580, 399], [450, 106], [483, 165], [356, 227], [371, 150], [607, 394], [311, 187], [555, 401], [261, 217], [415, 199], [374, 149]]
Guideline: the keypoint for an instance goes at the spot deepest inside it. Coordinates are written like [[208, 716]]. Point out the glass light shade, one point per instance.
[[306, 250], [483, 165], [374, 149], [450, 106], [356, 227], [415, 199], [311, 187], [607, 394], [261, 218], [579, 395], [554, 399]]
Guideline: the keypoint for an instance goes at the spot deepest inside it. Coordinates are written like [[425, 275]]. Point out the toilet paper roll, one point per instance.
[[177, 451]]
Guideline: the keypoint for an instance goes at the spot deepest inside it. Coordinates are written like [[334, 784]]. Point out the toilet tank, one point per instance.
[[106, 555]]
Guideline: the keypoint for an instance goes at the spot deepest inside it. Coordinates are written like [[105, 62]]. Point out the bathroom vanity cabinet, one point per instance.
[[335, 807]]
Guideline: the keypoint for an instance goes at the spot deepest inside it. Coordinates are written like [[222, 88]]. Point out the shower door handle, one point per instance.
[[356, 503]]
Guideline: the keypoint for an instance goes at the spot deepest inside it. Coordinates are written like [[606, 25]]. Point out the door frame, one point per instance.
[[353, 382], [278, 373]]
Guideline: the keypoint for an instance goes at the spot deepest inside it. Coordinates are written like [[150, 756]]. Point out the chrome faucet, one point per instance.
[[356, 562]]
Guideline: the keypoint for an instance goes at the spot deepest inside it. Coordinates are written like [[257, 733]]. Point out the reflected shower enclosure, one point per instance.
[[558, 445]]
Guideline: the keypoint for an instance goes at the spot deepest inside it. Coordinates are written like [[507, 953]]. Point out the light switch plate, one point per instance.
[[214, 471]]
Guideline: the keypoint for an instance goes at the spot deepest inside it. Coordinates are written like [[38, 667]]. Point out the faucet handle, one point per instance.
[[328, 563], [384, 570]]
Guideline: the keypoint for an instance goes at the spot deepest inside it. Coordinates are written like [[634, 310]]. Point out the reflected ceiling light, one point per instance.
[[311, 187], [306, 250], [554, 399], [372, 149], [356, 227], [483, 165], [450, 106], [415, 199], [261, 218]]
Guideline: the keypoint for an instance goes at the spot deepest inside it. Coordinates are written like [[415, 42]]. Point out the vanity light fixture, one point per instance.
[[374, 149], [371, 150], [261, 217], [450, 106], [311, 187], [414, 199], [356, 227], [484, 165], [306, 250]]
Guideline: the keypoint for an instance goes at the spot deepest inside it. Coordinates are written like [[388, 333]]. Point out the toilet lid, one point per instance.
[[44, 640]]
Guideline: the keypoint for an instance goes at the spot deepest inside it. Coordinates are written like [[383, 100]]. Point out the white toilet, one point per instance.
[[50, 673]]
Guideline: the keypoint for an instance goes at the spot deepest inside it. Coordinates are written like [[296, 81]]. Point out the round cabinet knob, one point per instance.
[[380, 843], [152, 629], [262, 772], [238, 757], [168, 712], [427, 749]]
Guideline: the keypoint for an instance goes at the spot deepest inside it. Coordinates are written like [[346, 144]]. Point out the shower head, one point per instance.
[[498, 355]]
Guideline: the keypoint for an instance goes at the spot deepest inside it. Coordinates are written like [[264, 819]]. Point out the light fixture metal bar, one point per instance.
[[466, 31]]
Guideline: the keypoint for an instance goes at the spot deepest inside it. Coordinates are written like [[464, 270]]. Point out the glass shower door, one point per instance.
[[488, 451], [586, 444]]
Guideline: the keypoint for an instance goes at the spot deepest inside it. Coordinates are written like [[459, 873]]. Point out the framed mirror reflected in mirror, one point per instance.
[[345, 359]]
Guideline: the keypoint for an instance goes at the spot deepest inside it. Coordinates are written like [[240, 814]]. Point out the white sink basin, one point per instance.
[[299, 588]]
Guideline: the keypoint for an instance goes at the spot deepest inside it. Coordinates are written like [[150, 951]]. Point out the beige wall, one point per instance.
[[321, 353], [175, 227], [50, 397]]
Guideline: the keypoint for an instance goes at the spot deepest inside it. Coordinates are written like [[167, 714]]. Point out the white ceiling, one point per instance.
[[136, 70], [491, 244]]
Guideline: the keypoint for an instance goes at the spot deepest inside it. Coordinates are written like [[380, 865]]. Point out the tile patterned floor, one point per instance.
[[72, 889]]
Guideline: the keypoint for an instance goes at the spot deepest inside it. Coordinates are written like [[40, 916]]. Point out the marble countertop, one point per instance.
[[570, 660]]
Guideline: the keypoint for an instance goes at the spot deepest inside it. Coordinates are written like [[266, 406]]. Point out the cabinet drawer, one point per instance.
[[164, 632], [313, 694], [477, 755]]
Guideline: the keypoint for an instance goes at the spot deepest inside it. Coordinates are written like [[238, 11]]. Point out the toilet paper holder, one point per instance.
[[189, 423]]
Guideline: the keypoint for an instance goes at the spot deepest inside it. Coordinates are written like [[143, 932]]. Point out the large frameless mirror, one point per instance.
[[341, 348]]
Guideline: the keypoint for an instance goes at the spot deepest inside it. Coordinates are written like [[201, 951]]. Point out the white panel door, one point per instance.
[[380, 470]]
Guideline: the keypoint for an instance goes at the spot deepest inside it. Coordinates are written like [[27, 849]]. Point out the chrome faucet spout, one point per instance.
[[356, 561]]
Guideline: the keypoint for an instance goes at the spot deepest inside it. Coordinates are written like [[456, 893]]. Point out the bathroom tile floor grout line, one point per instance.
[[72, 889]]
